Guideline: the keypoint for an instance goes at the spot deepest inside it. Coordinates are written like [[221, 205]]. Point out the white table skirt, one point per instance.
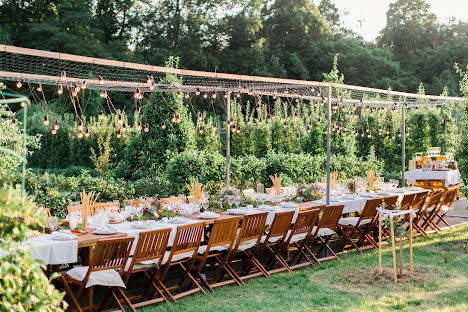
[[53, 251], [451, 177]]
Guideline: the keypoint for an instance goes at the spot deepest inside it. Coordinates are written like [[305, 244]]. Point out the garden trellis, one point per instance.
[[70, 72]]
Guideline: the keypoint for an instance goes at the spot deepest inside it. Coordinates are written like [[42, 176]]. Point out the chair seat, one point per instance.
[[141, 265], [103, 278], [296, 237], [352, 221], [444, 208], [177, 257], [202, 249], [271, 239], [247, 244], [323, 231]]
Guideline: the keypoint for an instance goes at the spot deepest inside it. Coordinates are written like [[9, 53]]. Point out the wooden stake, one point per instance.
[[411, 243], [401, 254], [380, 243], [392, 232]]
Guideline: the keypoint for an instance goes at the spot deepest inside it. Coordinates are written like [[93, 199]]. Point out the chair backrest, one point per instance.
[[370, 208], [407, 201], [102, 207], [390, 202], [435, 198], [111, 254], [280, 225], [75, 208], [252, 227], [224, 232], [450, 196], [169, 200], [270, 190], [419, 200], [330, 217], [305, 222], [248, 193], [45, 211], [151, 245], [188, 238]]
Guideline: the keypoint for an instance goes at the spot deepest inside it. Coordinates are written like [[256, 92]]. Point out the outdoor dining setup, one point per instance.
[[133, 252]]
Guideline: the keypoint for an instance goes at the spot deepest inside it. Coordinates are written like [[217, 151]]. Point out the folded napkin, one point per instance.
[[62, 236]]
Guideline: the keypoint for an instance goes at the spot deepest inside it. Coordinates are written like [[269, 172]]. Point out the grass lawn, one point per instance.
[[439, 283]]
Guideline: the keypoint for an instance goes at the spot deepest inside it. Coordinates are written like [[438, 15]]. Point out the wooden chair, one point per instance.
[[147, 258], [407, 201], [428, 210], [417, 205], [45, 211], [183, 251], [299, 237], [103, 207], [446, 205], [270, 190], [273, 241], [363, 224], [75, 208], [173, 200], [326, 227], [390, 202], [105, 269], [247, 242], [219, 248], [248, 193]]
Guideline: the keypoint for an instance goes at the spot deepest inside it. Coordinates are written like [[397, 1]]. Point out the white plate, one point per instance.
[[141, 225], [62, 237], [209, 215], [104, 232], [237, 212], [178, 220]]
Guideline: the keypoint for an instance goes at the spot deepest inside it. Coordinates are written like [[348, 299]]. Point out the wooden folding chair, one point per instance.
[[418, 205], [147, 258], [407, 201], [299, 237], [105, 269], [363, 224], [327, 227], [183, 251], [274, 239], [247, 242], [390, 202], [219, 248], [431, 207], [75, 208], [446, 205]]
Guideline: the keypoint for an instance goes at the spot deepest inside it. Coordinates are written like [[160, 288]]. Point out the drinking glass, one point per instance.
[[139, 212], [230, 200], [52, 221], [132, 211], [237, 200]]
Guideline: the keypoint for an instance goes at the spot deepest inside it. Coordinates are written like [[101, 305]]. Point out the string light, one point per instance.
[[205, 95], [269, 119], [80, 134], [214, 95], [146, 128], [225, 95], [152, 86], [163, 126], [46, 120], [215, 127], [148, 79], [119, 134], [187, 95], [39, 88], [139, 125], [100, 80], [285, 125], [60, 89], [136, 95], [251, 92], [84, 85], [87, 134], [296, 116], [103, 94], [101, 115], [80, 125], [23, 104], [56, 125], [201, 130], [120, 121], [63, 75], [124, 127], [19, 84], [197, 92], [233, 129], [238, 95], [238, 129], [13, 122], [54, 132], [200, 116], [178, 120], [173, 119]]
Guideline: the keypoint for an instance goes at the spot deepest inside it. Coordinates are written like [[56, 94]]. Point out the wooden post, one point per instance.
[[392, 232], [380, 243], [401, 254], [411, 243]]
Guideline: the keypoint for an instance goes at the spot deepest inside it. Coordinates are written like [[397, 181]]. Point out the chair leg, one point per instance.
[[127, 301], [116, 299], [189, 275], [347, 238], [153, 284], [325, 243], [70, 294], [441, 219]]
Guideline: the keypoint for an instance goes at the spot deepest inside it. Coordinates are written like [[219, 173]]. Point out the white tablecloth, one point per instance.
[[53, 251], [451, 177], [271, 213]]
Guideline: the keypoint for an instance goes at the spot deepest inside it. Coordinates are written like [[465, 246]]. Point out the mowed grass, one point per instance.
[[439, 283]]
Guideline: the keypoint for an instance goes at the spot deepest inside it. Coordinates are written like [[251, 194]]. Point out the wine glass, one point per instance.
[[52, 222], [237, 200], [132, 211], [230, 200], [139, 211]]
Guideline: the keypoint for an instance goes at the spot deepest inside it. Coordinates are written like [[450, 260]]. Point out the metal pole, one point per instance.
[[228, 138], [403, 132], [328, 142], [25, 120]]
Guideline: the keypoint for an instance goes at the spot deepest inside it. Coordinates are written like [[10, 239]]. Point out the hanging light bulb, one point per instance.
[[163, 126], [205, 95], [296, 116], [76, 88], [120, 120], [101, 115], [148, 79], [369, 135], [197, 92], [80, 134], [136, 95], [103, 94], [399, 134], [119, 134], [309, 129], [231, 122], [215, 128], [56, 125], [80, 125], [238, 130], [23, 104], [39, 88], [285, 125], [173, 119], [214, 95], [84, 85], [139, 125], [178, 120], [201, 130], [225, 95], [54, 132], [46, 120], [152, 85], [13, 122], [362, 134], [269, 119], [297, 100], [100, 80], [87, 134], [124, 127], [63, 75], [260, 120], [251, 92], [146, 128], [367, 130], [233, 129], [19, 84], [74, 93], [318, 120], [200, 116], [187, 95], [238, 95], [60, 89]]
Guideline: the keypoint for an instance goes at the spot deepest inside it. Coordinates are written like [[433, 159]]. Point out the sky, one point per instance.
[[368, 17]]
